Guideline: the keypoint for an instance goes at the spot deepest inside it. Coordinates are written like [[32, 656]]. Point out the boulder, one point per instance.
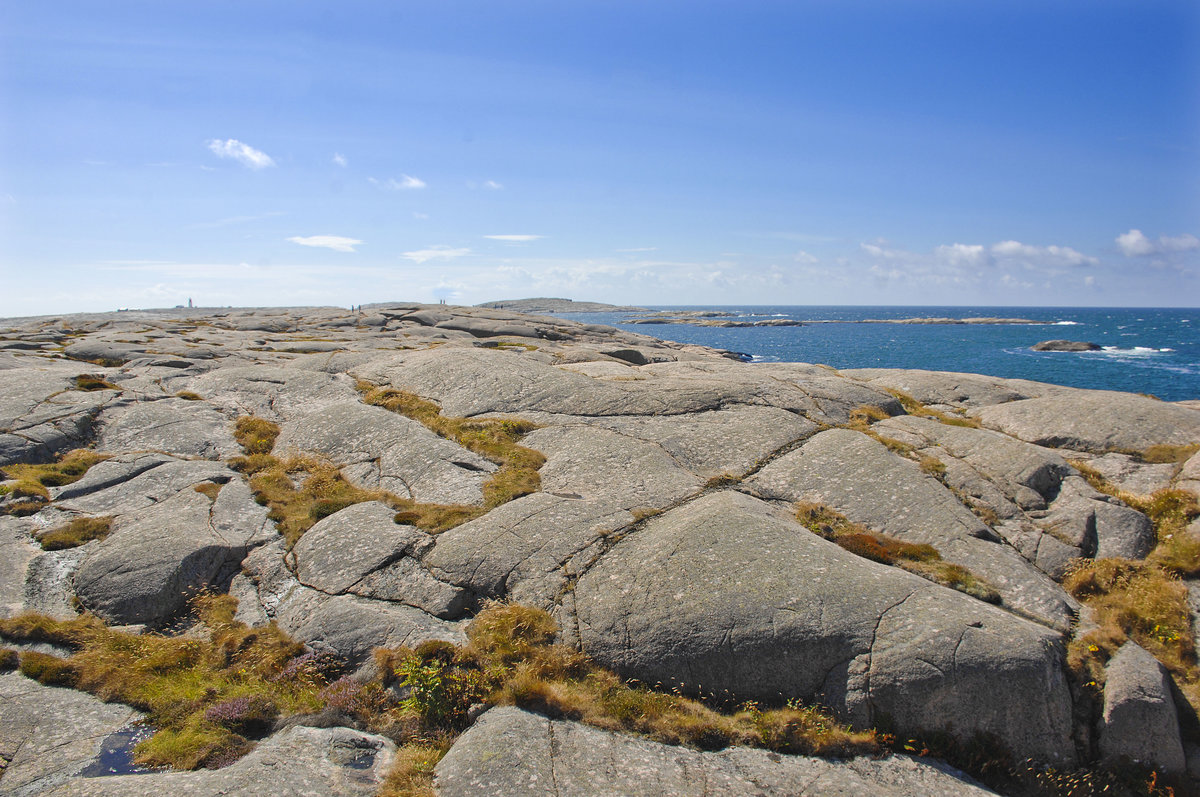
[[132, 482], [157, 558], [1140, 722], [361, 550], [512, 753], [527, 549], [727, 596]]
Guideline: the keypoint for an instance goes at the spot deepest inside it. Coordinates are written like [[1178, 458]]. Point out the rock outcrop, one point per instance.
[[661, 533]]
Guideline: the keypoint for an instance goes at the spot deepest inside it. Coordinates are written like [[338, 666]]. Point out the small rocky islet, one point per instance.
[[940, 556]]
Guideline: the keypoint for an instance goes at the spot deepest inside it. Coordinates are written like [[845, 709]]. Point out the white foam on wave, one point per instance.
[[1136, 351], [1066, 323]]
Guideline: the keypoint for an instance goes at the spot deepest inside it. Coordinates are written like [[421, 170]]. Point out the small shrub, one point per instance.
[[862, 417], [931, 465], [188, 395], [76, 533], [9, 659], [246, 716], [255, 435]]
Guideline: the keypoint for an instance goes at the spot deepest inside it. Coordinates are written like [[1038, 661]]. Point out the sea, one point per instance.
[[1143, 350]]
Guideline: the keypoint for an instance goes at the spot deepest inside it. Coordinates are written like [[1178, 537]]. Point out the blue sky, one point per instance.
[[269, 153]]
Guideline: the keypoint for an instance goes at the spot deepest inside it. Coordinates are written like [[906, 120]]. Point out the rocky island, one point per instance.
[[426, 549]]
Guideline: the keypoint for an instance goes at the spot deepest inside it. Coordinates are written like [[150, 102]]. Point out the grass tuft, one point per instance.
[[914, 407], [920, 559], [76, 533], [32, 480], [255, 435], [91, 382], [188, 395]]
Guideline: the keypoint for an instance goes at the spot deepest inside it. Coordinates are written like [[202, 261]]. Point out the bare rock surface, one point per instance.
[[663, 536], [1094, 420], [1140, 722], [509, 752], [695, 598], [49, 735], [297, 762]]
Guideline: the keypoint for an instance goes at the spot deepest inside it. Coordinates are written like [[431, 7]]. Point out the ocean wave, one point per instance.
[[1066, 323], [1135, 351]]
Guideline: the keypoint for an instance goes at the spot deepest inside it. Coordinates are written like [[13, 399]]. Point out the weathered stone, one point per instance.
[[273, 393], [1125, 473], [385, 450], [41, 416], [947, 387], [1065, 345], [597, 463], [340, 550], [103, 351], [1139, 713], [862, 480], [698, 598], [296, 762], [512, 753], [173, 426], [157, 478], [1094, 420], [17, 551], [48, 735], [524, 548], [157, 558]]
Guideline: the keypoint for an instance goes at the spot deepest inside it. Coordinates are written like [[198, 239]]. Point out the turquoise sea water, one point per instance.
[[1154, 351]]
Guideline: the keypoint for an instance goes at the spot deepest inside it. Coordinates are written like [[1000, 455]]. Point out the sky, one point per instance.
[[260, 153]]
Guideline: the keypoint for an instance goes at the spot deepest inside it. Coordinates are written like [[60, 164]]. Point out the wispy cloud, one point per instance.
[[435, 253], [339, 159], [232, 220], [492, 185], [244, 154], [335, 242], [1135, 244], [1064, 255], [804, 257], [405, 183], [514, 238], [640, 249]]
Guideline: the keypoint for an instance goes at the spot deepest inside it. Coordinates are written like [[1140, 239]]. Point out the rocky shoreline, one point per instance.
[[904, 548]]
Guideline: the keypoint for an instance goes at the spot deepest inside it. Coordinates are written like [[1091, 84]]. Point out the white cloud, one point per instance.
[[1135, 244], [492, 185], [1179, 243], [244, 154], [1060, 255], [514, 238], [805, 257], [421, 216], [963, 254], [335, 242], [405, 183], [435, 253], [339, 159]]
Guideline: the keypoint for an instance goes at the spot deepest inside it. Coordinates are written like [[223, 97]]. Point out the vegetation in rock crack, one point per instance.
[[511, 659], [90, 382], [1142, 600], [863, 416], [301, 490], [209, 695], [1164, 454], [914, 407], [32, 480], [920, 559], [188, 395], [493, 438], [76, 533]]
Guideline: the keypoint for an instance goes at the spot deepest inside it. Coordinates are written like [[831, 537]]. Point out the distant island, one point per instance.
[[551, 305]]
